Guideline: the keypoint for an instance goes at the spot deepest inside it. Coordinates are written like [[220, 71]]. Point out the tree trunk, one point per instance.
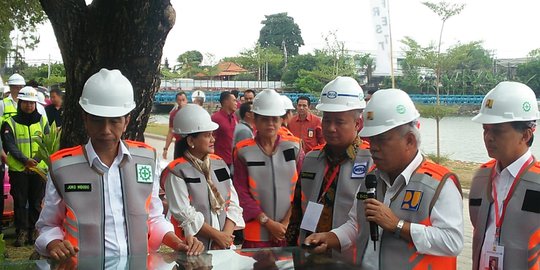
[[113, 34]]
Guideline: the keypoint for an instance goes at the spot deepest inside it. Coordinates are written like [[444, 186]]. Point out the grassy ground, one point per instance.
[[464, 170], [158, 129]]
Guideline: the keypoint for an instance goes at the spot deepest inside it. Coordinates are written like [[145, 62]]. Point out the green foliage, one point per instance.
[[49, 143], [280, 30], [40, 73], [245, 77], [23, 16], [297, 63], [436, 111], [444, 10], [528, 73], [308, 83], [188, 63], [256, 59]]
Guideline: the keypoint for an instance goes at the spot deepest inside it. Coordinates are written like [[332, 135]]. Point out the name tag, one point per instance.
[[80, 187], [307, 175], [144, 174]]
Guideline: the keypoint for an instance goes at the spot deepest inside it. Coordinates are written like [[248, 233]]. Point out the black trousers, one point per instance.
[[27, 189]]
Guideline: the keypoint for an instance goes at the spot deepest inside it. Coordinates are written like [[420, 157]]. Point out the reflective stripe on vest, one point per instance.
[[271, 180], [312, 178], [199, 192], [520, 231], [81, 186], [25, 139], [419, 195]]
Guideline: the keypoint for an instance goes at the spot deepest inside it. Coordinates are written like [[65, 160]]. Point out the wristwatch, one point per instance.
[[399, 226], [263, 219], [165, 149]]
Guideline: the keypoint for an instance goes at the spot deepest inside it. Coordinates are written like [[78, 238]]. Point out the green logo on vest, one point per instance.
[[79, 187], [144, 174]]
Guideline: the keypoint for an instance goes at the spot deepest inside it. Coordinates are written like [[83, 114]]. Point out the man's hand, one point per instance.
[[164, 155], [195, 247], [276, 229], [381, 214], [222, 240], [30, 163], [61, 249], [321, 242], [3, 157]]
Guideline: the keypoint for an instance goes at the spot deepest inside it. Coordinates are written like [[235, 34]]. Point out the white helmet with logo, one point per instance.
[[28, 93], [268, 103], [508, 102], [198, 94], [341, 95], [16, 79], [191, 119], [108, 94], [287, 102], [387, 109]]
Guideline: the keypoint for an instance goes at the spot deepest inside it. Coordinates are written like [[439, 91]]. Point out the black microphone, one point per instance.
[[371, 186]]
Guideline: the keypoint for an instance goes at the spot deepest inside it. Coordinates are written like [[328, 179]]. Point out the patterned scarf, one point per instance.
[[217, 203]]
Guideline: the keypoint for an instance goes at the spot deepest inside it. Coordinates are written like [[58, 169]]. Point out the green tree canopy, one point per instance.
[[281, 31]]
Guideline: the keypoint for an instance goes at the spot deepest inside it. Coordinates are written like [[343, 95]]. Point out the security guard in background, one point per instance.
[[504, 201], [418, 208], [19, 135], [332, 173]]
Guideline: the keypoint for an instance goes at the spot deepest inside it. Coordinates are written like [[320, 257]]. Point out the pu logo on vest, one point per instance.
[[80, 187], [331, 94], [359, 170], [412, 199], [144, 173]]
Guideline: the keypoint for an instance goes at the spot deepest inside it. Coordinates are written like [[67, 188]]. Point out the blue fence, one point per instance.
[[168, 97]]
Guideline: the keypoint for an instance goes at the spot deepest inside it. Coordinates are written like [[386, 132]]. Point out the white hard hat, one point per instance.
[[16, 79], [386, 110], [192, 119], [508, 102], [41, 98], [340, 95], [268, 103], [28, 93], [108, 94], [198, 94], [287, 102]]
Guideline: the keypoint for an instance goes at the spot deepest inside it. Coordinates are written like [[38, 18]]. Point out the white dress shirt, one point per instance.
[[50, 221], [443, 238], [503, 181], [191, 219]]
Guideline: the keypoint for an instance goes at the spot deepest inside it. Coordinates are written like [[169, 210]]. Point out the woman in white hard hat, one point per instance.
[[265, 173], [19, 134], [198, 185]]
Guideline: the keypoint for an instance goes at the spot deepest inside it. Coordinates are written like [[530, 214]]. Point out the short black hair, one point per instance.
[[522, 126], [224, 96], [235, 93], [181, 93], [57, 91], [250, 91], [245, 108], [306, 98]]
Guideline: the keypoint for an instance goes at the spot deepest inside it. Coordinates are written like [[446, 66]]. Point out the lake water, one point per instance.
[[461, 139]]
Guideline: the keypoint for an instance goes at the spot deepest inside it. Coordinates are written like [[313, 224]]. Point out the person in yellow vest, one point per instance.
[[265, 173], [504, 201], [19, 135], [101, 198], [418, 208], [198, 184]]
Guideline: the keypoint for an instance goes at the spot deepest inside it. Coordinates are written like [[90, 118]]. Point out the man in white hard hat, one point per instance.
[[9, 105], [102, 197], [19, 134], [332, 173], [198, 97], [265, 173], [418, 206], [504, 201], [181, 101]]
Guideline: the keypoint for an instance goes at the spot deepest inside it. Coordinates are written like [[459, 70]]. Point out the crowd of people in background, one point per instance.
[[264, 172]]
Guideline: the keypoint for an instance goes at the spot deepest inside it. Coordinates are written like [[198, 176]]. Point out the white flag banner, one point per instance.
[[381, 24]]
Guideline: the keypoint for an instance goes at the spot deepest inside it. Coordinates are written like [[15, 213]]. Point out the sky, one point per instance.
[[225, 28]]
